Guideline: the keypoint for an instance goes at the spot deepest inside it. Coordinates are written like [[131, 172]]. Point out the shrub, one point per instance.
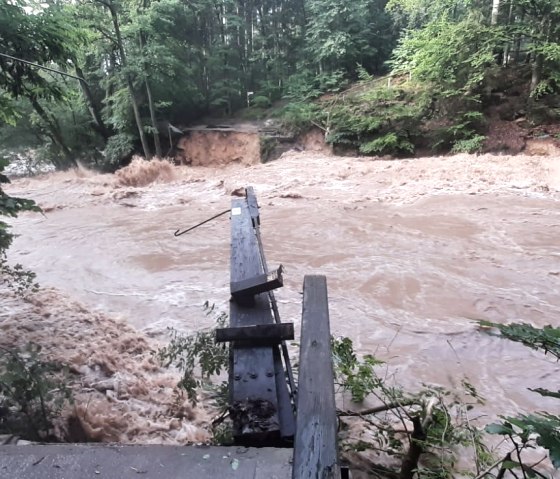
[[391, 143], [197, 356], [260, 101], [32, 393], [470, 145]]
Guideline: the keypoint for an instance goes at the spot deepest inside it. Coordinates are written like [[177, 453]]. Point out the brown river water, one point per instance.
[[414, 252]]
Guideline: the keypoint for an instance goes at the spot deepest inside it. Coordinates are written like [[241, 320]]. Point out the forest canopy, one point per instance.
[[139, 67]]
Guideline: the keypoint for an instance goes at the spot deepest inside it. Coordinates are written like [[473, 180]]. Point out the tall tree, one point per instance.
[[111, 6]]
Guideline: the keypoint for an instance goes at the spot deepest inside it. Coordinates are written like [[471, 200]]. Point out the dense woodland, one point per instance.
[[141, 67]]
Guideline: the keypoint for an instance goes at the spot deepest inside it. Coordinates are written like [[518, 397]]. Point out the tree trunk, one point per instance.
[[536, 71], [410, 460], [157, 143], [135, 108], [99, 125], [517, 41], [155, 129], [538, 58], [507, 46], [495, 12]]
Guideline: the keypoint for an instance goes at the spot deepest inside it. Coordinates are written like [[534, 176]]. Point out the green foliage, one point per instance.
[[8, 114], [526, 431], [363, 74], [222, 434], [260, 101], [44, 36], [306, 85], [341, 34], [452, 56], [390, 143], [197, 356], [15, 277], [119, 147], [267, 146], [357, 377], [298, 117], [470, 145], [374, 118], [32, 393], [440, 418], [546, 339], [460, 132]]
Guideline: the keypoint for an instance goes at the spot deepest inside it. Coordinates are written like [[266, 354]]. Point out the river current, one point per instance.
[[415, 251]]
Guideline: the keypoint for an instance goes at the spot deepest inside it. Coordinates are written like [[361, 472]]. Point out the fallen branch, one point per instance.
[[417, 439], [220, 418], [375, 410], [503, 470], [507, 457]]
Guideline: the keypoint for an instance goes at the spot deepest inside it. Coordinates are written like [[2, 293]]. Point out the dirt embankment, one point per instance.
[[215, 148]]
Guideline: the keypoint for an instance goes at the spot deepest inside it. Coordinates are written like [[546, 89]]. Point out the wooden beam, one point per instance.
[[253, 205], [315, 448], [259, 284], [253, 405], [256, 335], [285, 405]]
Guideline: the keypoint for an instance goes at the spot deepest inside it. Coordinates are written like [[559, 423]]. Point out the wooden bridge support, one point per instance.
[[315, 447], [260, 403], [261, 406]]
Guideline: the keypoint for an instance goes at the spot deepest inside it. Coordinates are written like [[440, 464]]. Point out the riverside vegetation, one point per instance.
[[140, 69], [413, 434]]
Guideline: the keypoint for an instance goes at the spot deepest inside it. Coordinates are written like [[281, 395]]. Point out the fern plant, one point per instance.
[[391, 143]]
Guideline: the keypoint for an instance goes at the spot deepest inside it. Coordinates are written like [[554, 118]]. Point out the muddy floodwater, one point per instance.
[[414, 252]]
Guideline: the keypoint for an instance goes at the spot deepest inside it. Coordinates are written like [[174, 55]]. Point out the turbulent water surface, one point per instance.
[[414, 251]]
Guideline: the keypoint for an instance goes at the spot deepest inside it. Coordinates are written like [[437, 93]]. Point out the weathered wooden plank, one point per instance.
[[253, 393], [315, 448], [285, 407], [253, 206], [259, 284], [257, 334]]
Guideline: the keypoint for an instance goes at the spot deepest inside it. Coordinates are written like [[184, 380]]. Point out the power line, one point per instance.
[[36, 65]]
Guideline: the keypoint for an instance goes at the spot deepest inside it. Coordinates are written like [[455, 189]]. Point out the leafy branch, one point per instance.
[[540, 429], [197, 356], [32, 392]]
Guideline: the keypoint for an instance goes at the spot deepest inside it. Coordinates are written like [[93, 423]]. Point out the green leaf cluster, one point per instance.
[[354, 375], [528, 430], [32, 393], [15, 277], [197, 356], [546, 339]]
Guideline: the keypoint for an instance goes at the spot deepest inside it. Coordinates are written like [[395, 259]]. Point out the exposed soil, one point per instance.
[[242, 145], [314, 140], [214, 148], [505, 137]]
